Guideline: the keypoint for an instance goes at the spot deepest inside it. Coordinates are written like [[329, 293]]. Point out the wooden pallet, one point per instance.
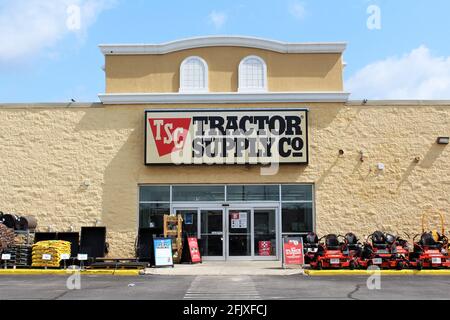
[[118, 266]]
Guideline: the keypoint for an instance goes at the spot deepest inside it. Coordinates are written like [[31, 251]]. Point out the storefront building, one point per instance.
[[249, 139]]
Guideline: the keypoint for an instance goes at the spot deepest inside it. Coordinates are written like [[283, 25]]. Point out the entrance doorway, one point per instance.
[[235, 232]]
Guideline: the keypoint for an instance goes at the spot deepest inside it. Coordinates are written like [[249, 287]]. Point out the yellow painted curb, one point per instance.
[[66, 272], [316, 273]]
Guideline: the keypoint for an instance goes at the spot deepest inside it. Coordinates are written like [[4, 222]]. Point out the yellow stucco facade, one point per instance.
[[286, 72], [49, 152]]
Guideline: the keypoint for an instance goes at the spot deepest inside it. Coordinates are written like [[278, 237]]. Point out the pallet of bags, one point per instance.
[[6, 237], [54, 249]]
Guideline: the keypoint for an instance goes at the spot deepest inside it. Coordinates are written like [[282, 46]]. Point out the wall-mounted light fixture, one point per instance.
[[443, 140], [361, 156], [381, 166]]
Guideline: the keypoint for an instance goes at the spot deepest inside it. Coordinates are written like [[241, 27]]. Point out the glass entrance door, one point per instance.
[[252, 233], [212, 233], [239, 233], [234, 233], [265, 233]]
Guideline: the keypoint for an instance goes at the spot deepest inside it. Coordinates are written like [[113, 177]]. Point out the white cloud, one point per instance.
[[416, 75], [29, 26], [297, 10], [218, 19]]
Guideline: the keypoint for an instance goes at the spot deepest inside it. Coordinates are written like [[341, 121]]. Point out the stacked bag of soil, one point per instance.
[[6, 237], [54, 249]]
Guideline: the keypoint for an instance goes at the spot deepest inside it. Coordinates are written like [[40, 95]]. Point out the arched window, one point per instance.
[[194, 75], [252, 75]]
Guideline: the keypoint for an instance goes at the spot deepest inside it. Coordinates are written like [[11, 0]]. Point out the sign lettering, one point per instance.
[[227, 137]]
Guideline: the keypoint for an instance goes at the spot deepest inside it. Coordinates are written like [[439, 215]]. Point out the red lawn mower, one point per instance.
[[384, 251], [311, 246], [432, 249], [352, 246], [330, 255]]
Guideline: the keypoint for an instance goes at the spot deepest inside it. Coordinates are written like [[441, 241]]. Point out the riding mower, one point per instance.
[[384, 251], [311, 246], [352, 246], [330, 255], [431, 251]]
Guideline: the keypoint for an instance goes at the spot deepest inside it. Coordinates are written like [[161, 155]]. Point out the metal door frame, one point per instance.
[[227, 237], [251, 206]]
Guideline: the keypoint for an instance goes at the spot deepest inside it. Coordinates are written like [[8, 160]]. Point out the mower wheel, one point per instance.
[[400, 265], [352, 265], [419, 265], [319, 265]]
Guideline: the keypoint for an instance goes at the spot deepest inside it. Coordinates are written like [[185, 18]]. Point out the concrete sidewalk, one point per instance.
[[273, 268], [233, 268]]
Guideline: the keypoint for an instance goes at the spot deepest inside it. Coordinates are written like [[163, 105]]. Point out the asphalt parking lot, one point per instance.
[[222, 287]]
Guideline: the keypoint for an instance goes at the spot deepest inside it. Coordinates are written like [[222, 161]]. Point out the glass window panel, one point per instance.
[[211, 242], [155, 193], [198, 193], [252, 74], [239, 239], [296, 193], [151, 215], [265, 232], [297, 217], [253, 193], [193, 74], [190, 225]]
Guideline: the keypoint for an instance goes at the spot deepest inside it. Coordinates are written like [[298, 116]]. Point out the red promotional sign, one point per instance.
[[293, 252], [193, 249], [265, 248]]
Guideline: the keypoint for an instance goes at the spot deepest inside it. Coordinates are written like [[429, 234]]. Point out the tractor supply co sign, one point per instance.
[[226, 137]]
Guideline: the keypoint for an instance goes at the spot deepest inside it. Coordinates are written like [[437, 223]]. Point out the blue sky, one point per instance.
[[44, 60]]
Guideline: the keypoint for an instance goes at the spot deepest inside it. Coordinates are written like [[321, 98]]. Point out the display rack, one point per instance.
[[173, 228]]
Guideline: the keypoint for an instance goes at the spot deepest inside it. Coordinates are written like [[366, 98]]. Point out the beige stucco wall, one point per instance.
[[161, 73], [48, 153]]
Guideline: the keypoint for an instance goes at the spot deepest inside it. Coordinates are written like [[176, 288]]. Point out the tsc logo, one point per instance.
[[170, 134]]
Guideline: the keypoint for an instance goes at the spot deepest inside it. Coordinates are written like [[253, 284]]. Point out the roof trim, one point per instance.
[[355, 103], [223, 41], [221, 98], [47, 105], [382, 103]]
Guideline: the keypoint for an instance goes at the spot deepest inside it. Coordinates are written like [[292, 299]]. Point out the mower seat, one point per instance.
[[353, 247], [390, 239], [381, 245], [312, 239], [378, 238], [332, 242], [427, 240], [351, 239]]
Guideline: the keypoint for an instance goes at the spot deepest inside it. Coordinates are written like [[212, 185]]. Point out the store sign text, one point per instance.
[[231, 137]]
